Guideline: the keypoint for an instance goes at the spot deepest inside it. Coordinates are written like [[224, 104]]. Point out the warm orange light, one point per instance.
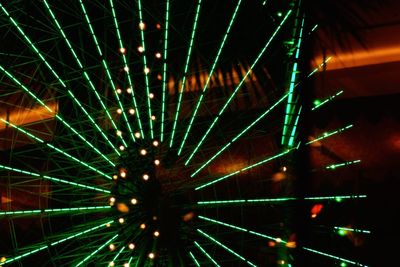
[[157, 162], [131, 246], [115, 177], [111, 246], [156, 233], [122, 50], [142, 226], [146, 177], [122, 207], [291, 244], [143, 152], [142, 26]]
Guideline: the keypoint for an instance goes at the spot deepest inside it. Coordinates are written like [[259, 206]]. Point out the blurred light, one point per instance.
[[112, 199], [188, 216], [115, 177], [119, 111], [278, 240], [137, 135], [158, 55], [122, 207], [142, 26], [122, 50], [129, 90], [281, 262], [140, 49], [132, 112], [122, 173], [126, 264], [342, 232], [142, 226], [131, 246], [3, 259], [338, 199], [151, 95], [291, 244], [313, 215], [271, 243], [316, 209], [279, 14], [343, 264], [108, 225], [158, 26], [134, 201], [121, 147], [159, 77], [157, 162], [111, 246], [151, 255], [155, 143], [153, 118], [121, 220], [154, 218], [119, 133], [284, 168], [119, 91], [112, 264], [143, 152], [156, 233], [126, 69], [146, 70], [145, 177]]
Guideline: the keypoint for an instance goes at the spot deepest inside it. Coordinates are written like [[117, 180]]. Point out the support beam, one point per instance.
[[164, 78], [206, 254], [52, 211]]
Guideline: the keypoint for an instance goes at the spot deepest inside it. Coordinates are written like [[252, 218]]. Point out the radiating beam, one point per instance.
[[54, 179], [96, 251], [277, 239], [121, 45], [351, 230], [117, 255], [226, 248], [85, 74], [291, 104], [185, 72], [347, 163], [319, 104], [210, 74], [146, 77], [206, 254], [194, 259], [244, 169], [50, 211], [69, 237], [328, 134], [238, 87], [334, 257], [164, 86], [239, 135], [22, 130], [293, 133], [319, 66], [336, 197], [58, 117]]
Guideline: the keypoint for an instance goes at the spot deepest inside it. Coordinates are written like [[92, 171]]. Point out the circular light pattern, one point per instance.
[[156, 233], [134, 201], [112, 264], [126, 264], [146, 70], [152, 255], [158, 55], [121, 147], [112, 199], [122, 174], [142, 26], [143, 152], [126, 69], [131, 246], [153, 118], [115, 177], [121, 220], [119, 91], [132, 112], [129, 90], [140, 49], [111, 246], [142, 226], [119, 133], [122, 50], [119, 111], [146, 177], [157, 162], [151, 95], [137, 135]]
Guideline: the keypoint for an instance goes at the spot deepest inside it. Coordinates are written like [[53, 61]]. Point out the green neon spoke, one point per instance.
[[225, 247], [85, 74], [93, 122], [55, 148], [238, 87], [314, 28], [117, 255], [328, 134], [54, 179], [164, 88], [291, 104], [293, 133], [49, 211], [244, 169], [239, 135], [352, 230], [209, 76], [336, 197], [277, 239], [206, 254], [146, 76], [327, 100], [96, 251], [344, 164], [194, 259], [185, 72], [333, 257], [319, 66], [56, 243], [121, 45]]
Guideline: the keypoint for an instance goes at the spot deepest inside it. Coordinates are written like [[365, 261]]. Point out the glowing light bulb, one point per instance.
[[143, 152], [121, 220], [284, 168], [131, 246], [126, 69], [146, 177], [121, 147], [134, 201], [159, 77], [119, 133], [112, 264], [108, 225], [158, 55], [3, 259], [146, 70], [140, 49], [157, 162], [111, 246], [119, 91], [123, 174], [126, 264], [122, 50], [129, 90], [278, 240], [142, 226], [151, 255], [155, 143], [115, 177], [137, 135], [142, 26], [131, 111], [153, 118], [156, 233], [151, 95], [158, 26], [119, 111], [112, 199]]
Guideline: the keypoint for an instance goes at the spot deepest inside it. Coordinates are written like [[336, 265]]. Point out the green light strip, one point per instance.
[[12, 77], [164, 88], [93, 122], [117, 255], [336, 197], [130, 260], [30, 212], [106, 68], [146, 77], [352, 230], [121, 45], [209, 76], [239, 135], [55, 243], [97, 250], [194, 259], [243, 169], [327, 100], [290, 106], [207, 255], [319, 66], [226, 248], [347, 163], [293, 133], [85, 74], [334, 257], [185, 72], [326, 135], [241, 229], [55, 179], [237, 88], [314, 28], [55, 148]]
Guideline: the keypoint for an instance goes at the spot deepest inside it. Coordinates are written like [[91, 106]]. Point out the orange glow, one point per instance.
[[122, 207], [271, 244], [188, 216], [291, 244]]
